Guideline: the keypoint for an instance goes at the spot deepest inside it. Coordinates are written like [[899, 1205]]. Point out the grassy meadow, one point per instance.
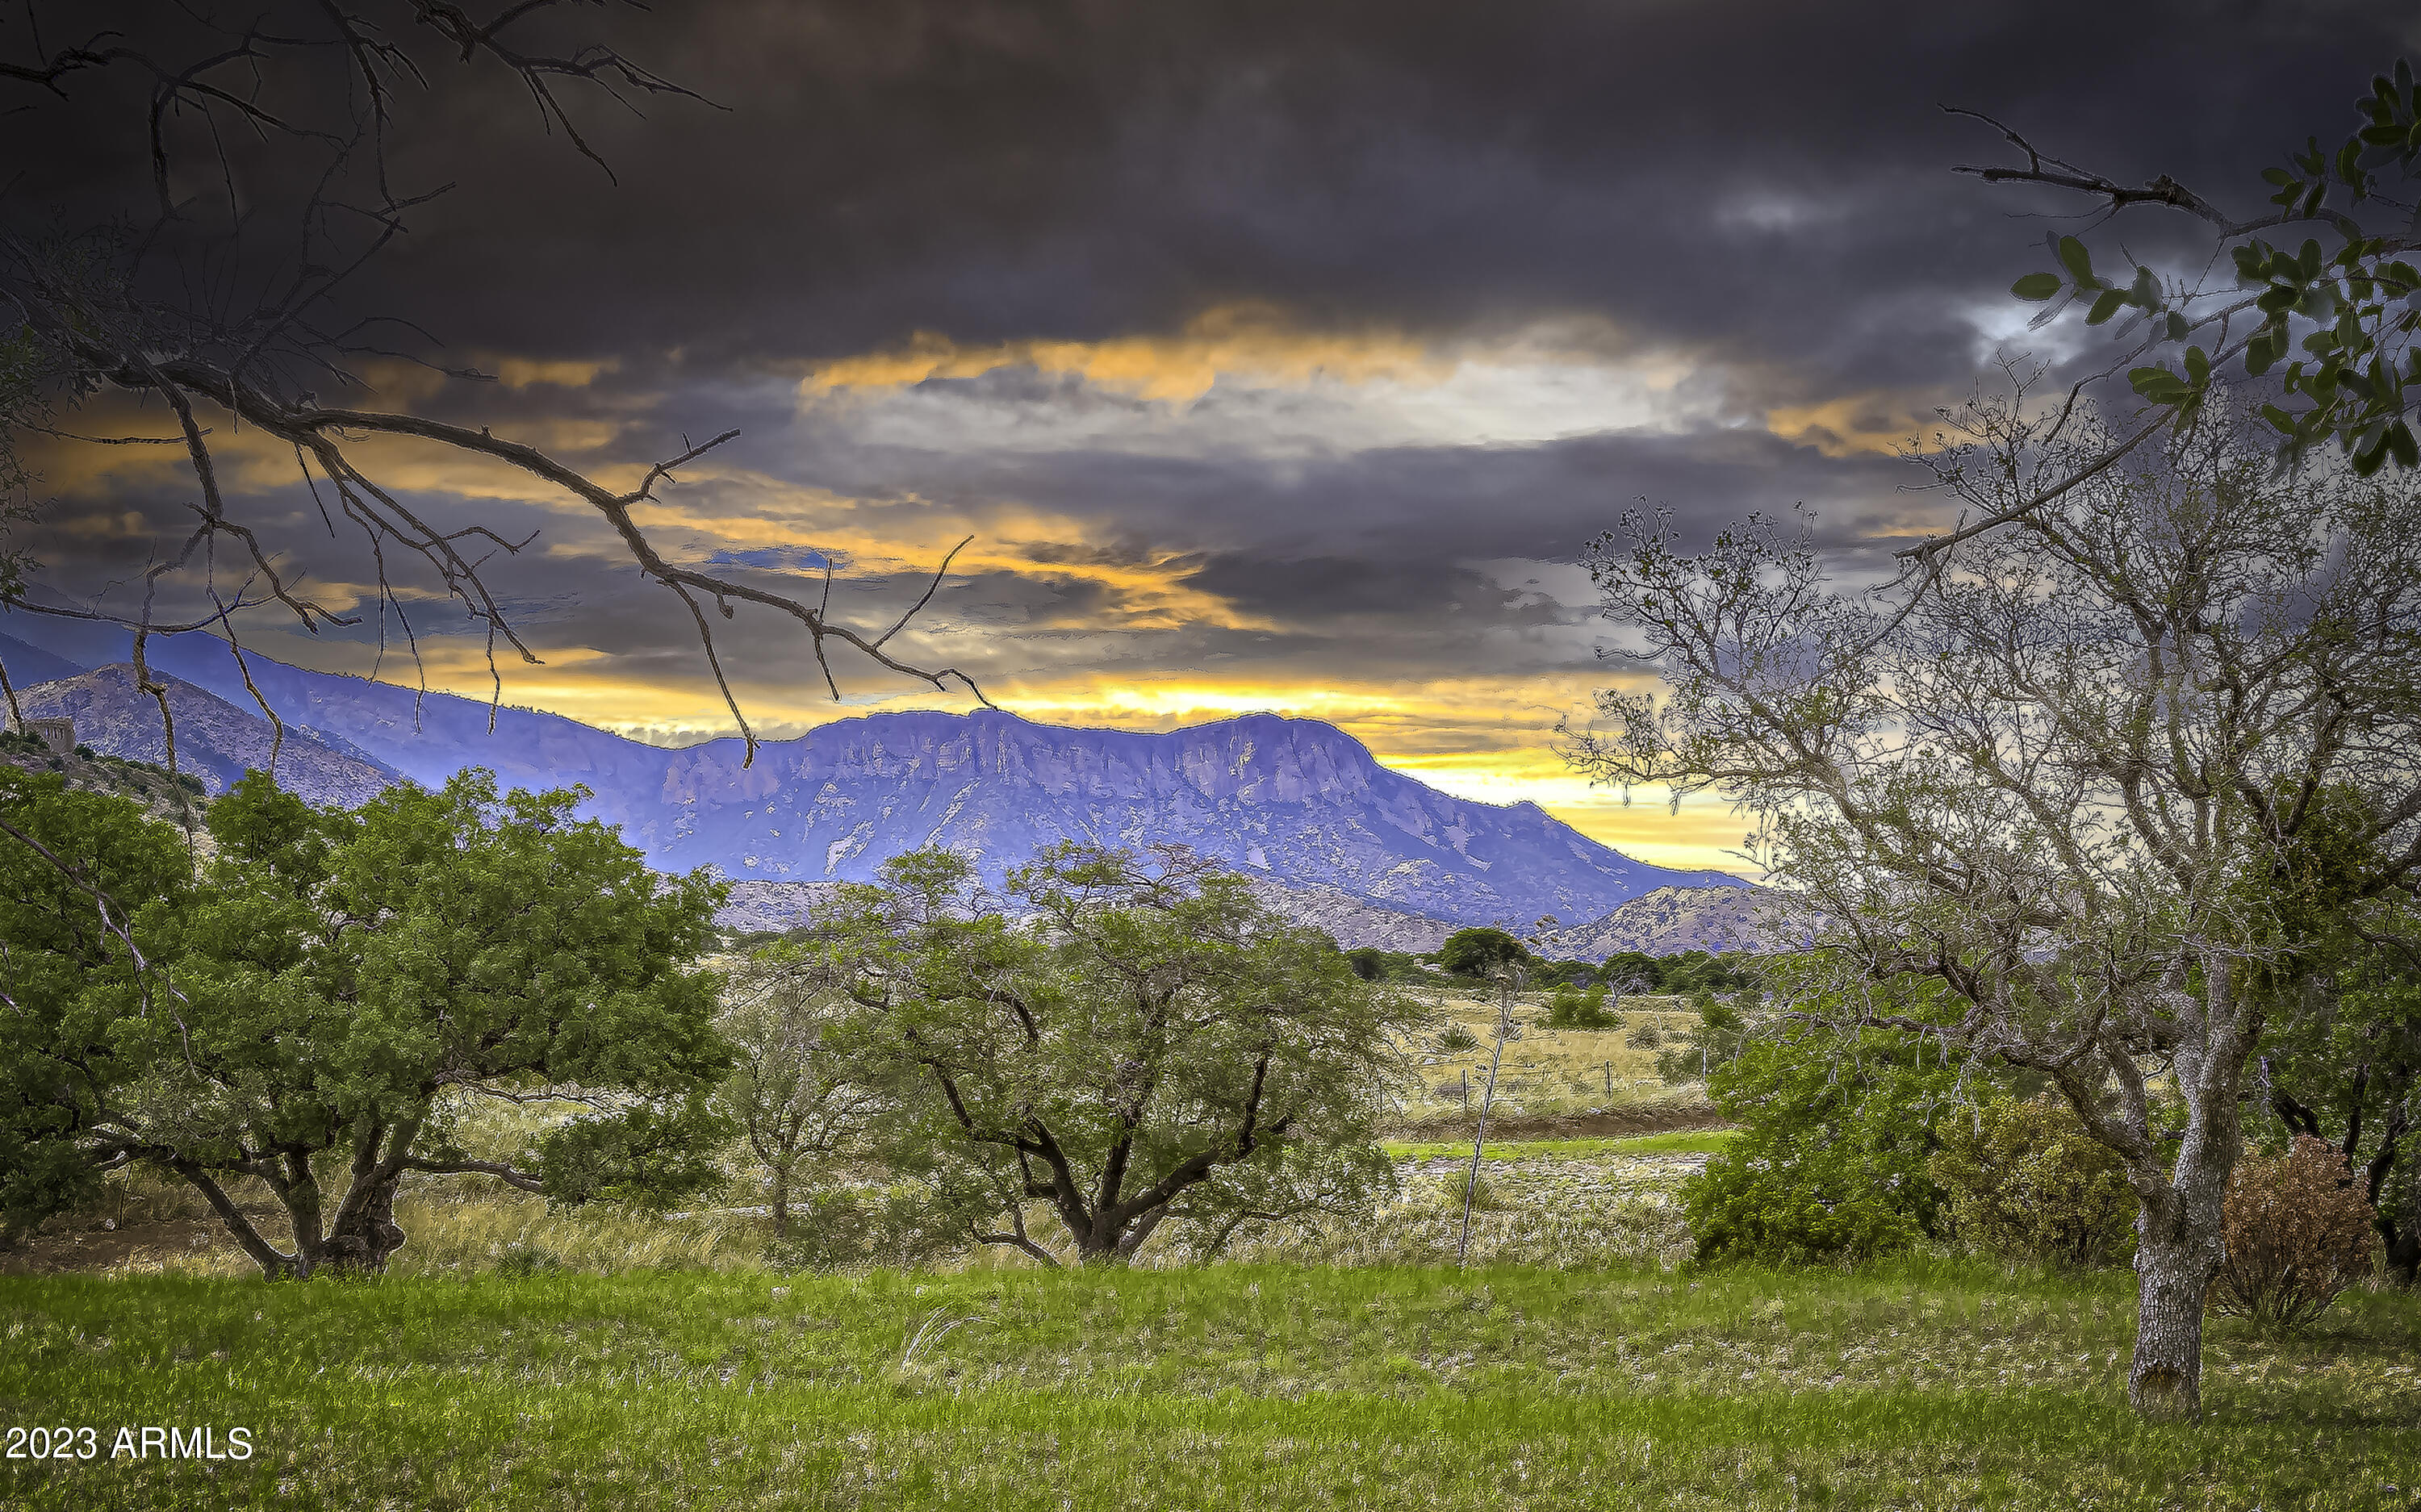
[[1549, 1073], [517, 1358], [1913, 1385]]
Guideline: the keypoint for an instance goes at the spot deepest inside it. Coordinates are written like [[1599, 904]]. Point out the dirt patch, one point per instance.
[[1647, 1118], [59, 1250]]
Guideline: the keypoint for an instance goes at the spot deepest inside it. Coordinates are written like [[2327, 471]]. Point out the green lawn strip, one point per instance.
[[496, 1443], [1688, 1142], [1302, 1386]]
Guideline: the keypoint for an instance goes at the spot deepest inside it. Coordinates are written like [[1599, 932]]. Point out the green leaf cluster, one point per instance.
[[2340, 322], [1836, 1130], [316, 999]]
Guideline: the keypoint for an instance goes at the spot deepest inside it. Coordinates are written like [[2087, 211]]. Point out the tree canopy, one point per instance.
[[1476, 952], [1147, 1044], [314, 1002]]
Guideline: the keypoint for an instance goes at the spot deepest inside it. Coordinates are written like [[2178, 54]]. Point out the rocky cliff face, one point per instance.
[[216, 740], [1295, 802]]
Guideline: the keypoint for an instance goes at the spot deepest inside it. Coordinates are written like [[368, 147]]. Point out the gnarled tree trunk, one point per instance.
[[364, 1233], [2178, 1250]]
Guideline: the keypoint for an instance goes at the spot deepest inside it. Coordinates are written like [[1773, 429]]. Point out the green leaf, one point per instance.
[[2078, 261], [2037, 287], [2400, 442], [2261, 352], [2178, 327], [2158, 384], [2105, 307], [2198, 365]]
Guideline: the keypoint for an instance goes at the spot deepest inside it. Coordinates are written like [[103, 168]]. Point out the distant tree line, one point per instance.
[[1467, 955]]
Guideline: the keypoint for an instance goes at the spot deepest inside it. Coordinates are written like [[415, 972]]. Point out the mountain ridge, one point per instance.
[[1294, 802]]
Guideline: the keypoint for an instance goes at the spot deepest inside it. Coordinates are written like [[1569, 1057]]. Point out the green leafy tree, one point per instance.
[[1714, 1041], [1479, 952], [315, 1003], [1629, 973], [2340, 1058], [795, 1093], [1147, 1044]]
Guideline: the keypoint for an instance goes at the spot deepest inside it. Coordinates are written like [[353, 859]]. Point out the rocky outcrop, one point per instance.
[[216, 741], [1671, 920]]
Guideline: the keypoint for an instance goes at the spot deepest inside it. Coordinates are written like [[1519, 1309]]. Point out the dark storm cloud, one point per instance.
[[1768, 177], [1755, 196]]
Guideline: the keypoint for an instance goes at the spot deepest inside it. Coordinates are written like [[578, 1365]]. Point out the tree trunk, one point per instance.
[[2180, 1243], [781, 1195], [2166, 1380], [365, 1232], [2403, 1230]]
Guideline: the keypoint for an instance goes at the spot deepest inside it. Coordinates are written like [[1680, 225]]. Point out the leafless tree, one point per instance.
[[2057, 790], [223, 299]]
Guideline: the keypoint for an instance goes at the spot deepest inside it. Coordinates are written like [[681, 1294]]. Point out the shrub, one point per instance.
[[1571, 1009], [2025, 1179], [1718, 1038], [2298, 1234], [1831, 1159], [843, 1228], [1647, 1037]]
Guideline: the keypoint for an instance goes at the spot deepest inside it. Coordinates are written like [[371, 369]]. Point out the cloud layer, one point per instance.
[[1272, 356]]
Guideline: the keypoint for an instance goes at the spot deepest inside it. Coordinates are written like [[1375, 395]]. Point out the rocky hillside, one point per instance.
[[773, 906], [216, 741], [1674, 919]]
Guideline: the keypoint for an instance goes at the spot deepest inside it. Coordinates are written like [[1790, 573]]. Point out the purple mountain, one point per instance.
[[1295, 801]]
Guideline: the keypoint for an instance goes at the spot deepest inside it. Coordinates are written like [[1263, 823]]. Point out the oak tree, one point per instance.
[[310, 1009], [1144, 1043]]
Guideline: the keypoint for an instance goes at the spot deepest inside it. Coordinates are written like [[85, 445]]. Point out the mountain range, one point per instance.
[[1295, 804]]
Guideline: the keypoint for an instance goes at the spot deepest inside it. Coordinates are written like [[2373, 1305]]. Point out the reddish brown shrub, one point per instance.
[[2298, 1234]]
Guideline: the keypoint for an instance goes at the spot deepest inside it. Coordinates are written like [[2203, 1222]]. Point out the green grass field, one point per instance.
[[1921, 1384], [1686, 1142]]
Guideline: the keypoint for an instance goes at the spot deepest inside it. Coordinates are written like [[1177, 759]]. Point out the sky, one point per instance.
[[1267, 356]]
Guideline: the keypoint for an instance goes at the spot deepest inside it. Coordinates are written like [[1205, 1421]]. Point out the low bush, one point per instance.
[[1573, 1010], [1647, 1037], [1718, 1037], [2024, 1179], [2299, 1233], [844, 1228], [1830, 1162]]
